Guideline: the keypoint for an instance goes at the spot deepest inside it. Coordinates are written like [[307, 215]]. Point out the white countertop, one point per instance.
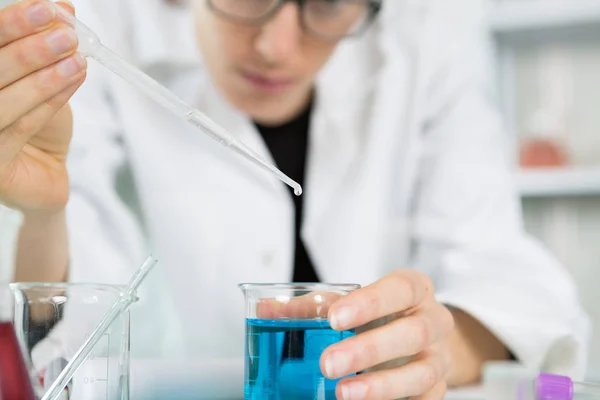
[[155, 379]]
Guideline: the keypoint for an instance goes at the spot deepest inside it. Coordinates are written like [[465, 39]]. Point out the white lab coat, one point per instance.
[[406, 169]]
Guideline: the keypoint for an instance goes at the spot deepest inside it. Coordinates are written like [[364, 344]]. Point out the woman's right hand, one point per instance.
[[39, 72]]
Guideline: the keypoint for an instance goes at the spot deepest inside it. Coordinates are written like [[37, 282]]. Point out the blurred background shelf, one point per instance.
[[514, 16], [559, 182]]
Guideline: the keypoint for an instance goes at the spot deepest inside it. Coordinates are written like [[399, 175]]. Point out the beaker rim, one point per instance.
[[300, 286], [117, 289]]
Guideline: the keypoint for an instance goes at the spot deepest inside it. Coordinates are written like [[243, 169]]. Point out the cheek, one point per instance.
[[225, 48], [316, 54], [235, 41]]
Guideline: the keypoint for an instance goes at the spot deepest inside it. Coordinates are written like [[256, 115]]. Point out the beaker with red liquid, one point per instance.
[[15, 383]]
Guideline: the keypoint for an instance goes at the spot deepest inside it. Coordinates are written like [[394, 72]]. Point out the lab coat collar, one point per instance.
[[337, 129], [172, 48], [339, 103]]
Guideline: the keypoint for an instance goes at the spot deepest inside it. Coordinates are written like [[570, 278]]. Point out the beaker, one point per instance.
[[15, 382], [286, 332], [53, 320]]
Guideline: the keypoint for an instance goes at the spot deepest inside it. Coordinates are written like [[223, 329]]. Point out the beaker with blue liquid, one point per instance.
[[286, 332]]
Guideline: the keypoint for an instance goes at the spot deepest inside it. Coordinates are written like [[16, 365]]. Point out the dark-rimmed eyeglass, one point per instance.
[[326, 19]]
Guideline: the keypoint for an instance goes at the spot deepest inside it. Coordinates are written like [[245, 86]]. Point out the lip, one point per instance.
[[266, 84]]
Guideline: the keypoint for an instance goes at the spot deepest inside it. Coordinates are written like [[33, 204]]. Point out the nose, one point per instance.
[[280, 37]]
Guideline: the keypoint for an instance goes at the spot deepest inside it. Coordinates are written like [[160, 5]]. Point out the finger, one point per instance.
[[437, 393], [16, 135], [31, 123], [398, 292], [310, 305], [413, 379], [25, 18], [401, 338], [26, 56], [38, 88]]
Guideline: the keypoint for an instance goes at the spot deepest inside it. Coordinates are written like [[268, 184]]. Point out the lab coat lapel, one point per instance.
[[361, 135], [332, 149], [336, 126]]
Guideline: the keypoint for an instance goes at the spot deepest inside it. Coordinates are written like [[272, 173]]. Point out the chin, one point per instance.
[[268, 108], [260, 108], [266, 115]]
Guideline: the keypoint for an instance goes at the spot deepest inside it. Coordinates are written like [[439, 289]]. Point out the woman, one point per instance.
[[390, 131]]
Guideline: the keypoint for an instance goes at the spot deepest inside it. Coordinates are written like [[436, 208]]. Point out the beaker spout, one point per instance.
[[244, 287]]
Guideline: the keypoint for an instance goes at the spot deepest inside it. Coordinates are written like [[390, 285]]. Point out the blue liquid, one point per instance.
[[283, 359]]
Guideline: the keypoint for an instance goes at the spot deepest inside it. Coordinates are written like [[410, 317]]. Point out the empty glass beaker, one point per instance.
[[286, 332], [53, 321], [15, 383]]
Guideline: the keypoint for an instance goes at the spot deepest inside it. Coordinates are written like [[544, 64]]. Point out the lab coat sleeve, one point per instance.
[[468, 226], [106, 237]]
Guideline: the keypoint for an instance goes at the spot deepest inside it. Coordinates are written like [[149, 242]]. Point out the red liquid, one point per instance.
[[14, 377]]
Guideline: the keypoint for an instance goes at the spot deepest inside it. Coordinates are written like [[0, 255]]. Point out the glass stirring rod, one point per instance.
[[124, 301], [91, 46]]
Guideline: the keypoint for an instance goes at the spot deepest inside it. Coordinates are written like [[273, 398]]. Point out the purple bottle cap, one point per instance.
[[553, 387]]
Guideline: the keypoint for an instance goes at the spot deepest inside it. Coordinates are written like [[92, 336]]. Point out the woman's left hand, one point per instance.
[[419, 329]]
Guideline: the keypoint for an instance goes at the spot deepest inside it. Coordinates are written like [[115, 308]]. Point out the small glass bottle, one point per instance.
[[558, 387]]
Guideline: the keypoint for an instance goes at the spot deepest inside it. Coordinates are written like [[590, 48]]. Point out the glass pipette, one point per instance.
[[91, 46]]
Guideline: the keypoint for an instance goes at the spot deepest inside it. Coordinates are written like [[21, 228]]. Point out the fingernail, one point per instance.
[[70, 66], [40, 14], [342, 318], [66, 2], [354, 391], [337, 365], [61, 40]]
